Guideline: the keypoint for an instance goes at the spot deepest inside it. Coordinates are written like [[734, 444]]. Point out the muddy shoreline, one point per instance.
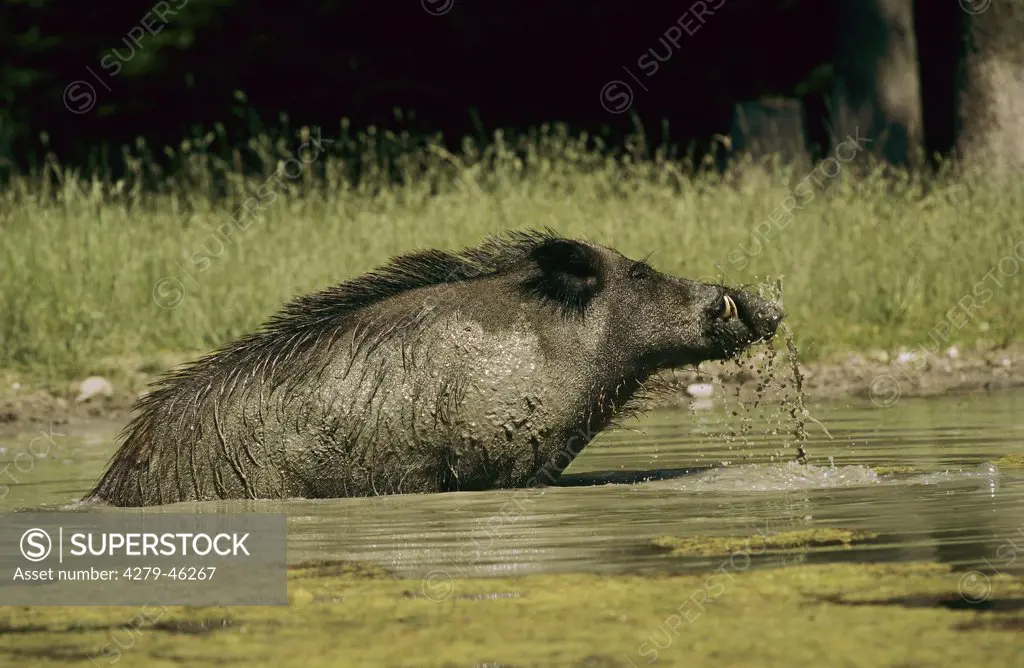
[[877, 376]]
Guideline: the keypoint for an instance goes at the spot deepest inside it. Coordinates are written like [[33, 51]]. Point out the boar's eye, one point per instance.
[[640, 271]]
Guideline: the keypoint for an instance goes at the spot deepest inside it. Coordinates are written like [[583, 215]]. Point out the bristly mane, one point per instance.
[[407, 272], [286, 345]]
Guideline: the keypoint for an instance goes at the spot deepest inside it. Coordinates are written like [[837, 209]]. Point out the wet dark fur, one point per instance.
[[286, 350]]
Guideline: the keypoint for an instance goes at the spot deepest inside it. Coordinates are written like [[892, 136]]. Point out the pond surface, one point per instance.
[[681, 472]]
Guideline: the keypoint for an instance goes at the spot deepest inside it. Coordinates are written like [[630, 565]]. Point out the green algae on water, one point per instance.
[[709, 546], [894, 470], [1010, 462], [849, 614]]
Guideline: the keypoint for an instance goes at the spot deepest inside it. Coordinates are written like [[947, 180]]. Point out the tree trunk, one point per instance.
[[991, 105], [877, 85]]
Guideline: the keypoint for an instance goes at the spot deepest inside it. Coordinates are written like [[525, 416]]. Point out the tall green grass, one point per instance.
[[874, 260]]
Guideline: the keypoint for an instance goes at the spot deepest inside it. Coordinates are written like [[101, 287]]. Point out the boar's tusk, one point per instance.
[[730, 308]]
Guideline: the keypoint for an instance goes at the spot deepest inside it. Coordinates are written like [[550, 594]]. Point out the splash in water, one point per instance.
[[778, 478], [794, 476]]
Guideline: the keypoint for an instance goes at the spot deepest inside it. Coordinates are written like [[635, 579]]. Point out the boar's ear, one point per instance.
[[571, 273]]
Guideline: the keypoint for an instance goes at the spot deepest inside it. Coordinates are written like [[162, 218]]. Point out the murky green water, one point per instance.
[[691, 472]]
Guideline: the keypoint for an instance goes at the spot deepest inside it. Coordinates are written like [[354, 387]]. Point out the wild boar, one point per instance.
[[487, 368]]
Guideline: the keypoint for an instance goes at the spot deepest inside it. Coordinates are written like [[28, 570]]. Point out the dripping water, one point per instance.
[[797, 410]]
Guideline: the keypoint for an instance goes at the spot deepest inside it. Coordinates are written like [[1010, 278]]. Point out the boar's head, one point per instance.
[[647, 320]]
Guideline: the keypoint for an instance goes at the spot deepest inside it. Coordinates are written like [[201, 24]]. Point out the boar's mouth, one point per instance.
[[738, 321]]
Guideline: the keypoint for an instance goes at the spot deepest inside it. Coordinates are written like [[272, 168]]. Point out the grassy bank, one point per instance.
[[94, 270]]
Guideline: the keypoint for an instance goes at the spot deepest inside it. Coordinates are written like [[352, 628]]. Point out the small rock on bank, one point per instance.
[[94, 386], [700, 390]]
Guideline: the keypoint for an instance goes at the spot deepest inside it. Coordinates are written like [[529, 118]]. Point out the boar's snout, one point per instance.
[[737, 320], [760, 316]]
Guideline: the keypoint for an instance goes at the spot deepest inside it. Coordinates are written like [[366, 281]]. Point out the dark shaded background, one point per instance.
[[478, 67]]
